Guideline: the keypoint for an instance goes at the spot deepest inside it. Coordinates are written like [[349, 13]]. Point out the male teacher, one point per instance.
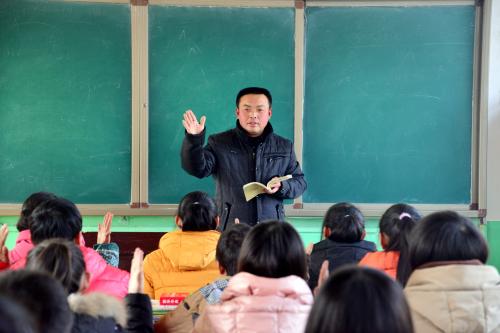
[[247, 153]]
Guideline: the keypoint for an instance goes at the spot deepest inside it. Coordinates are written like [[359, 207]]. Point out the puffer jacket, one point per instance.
[[453, 297], [99, 313], [103, 277], [184, 262], [231, 159], [257, 304], [386, 261], [337, 254]]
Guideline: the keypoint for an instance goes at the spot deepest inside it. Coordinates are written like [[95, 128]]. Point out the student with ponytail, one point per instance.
[[185, 260], [395, 227]]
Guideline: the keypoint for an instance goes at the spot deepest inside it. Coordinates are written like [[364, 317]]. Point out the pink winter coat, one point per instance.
[[103, 277], [252, 303]]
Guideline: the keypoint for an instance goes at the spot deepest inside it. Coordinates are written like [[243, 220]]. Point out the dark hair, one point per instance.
[[273, 249], [446, 236], [396, 223], [15, 318], [61, 259], [55, 218], [229, 245], [29, 205], [357, 300], [346, 223], [41, 295], [254, 91], [198, 212]]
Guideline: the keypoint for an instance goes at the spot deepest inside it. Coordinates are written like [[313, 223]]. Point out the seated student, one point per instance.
[[344, 230], [59, 218], [41, 296], [182, 319], [269, 294], [185, 260], [109, 251], [450, 288], [395, 226], [358, 300], [93, 312]]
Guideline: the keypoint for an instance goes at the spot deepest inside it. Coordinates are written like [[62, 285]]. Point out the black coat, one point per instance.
[[99, 313], [337, 254], [235, 159]]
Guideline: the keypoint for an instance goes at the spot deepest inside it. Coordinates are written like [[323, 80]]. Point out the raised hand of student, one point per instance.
[[4, 253], [104, 229], [324, 273], [309, 248], [191, 124], [136, 282]]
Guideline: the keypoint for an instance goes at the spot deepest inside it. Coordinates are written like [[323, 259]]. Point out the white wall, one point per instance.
[[493, 152]]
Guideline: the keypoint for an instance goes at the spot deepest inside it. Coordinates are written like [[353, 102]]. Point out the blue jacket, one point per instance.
[[235, 159]]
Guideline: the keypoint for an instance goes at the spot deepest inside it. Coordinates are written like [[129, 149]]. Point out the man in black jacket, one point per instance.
[[247, 153]]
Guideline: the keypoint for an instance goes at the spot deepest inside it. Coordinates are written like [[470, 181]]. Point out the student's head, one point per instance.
[[395, 226], [14, 317], [273, 249], [359, 299], [55, 218], [29, 205], [344, 223], [42, 296], [446, 236], [61, 259], [197, 212], [228, 247], [253, 109]]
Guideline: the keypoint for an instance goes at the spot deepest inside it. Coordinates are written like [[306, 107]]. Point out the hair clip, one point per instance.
[[403, 215]]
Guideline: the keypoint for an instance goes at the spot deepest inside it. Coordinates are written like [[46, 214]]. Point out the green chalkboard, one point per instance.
[[65, 93], [200, 58], [388, 104]]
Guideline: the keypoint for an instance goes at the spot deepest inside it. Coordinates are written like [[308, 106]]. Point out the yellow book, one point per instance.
[[253, 189]]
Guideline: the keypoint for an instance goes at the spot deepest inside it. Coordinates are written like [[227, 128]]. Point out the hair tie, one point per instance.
[[195, 203], [347, 215], [403, 215]]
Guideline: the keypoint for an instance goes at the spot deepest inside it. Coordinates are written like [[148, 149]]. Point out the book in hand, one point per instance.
[[253, 189]]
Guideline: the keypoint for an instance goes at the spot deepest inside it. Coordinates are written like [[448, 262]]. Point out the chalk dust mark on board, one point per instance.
[[427, 96], [182, 35]]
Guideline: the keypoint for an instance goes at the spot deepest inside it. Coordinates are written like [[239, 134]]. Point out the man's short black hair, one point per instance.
[[229, 245], [55, 218], [254, 91]]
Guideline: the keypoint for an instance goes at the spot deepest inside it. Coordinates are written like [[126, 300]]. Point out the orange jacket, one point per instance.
[[386, 261], [184, 262]]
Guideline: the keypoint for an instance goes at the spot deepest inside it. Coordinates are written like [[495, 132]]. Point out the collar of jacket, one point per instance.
[[450, 262], [243, 135]]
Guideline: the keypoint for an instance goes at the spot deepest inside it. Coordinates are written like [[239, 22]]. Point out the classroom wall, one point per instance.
[[493, 151]]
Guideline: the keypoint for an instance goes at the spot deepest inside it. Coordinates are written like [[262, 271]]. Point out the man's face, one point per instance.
[[253, 113]]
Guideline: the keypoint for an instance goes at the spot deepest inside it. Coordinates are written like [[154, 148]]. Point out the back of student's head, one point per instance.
[[29, 205], [396, 225], [446, 236], [273, 249], [346, 223], [357, 300], [55, 218], [42, 296], [60, 258], [229, 246], [14, 318], [198, 212]]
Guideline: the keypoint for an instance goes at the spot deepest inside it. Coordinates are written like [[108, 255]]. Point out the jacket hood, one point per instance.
[[189, 250], [466, 291], [246, 284], [99, 305]]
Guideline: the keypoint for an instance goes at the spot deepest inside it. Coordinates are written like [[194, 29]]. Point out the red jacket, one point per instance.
[[103, 277], [386, 261]]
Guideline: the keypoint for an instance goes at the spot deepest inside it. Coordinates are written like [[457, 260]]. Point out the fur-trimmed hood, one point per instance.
[[98, 305]]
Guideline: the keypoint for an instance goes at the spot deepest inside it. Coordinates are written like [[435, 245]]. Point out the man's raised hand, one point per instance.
[[191, 124]]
